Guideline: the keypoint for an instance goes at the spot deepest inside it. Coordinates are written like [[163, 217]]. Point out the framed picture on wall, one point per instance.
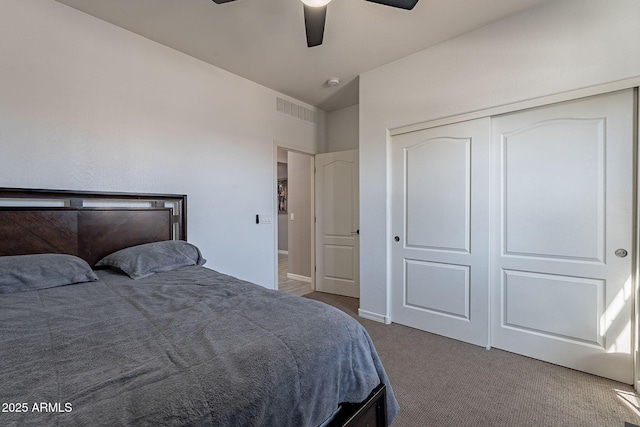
[[282, 196]]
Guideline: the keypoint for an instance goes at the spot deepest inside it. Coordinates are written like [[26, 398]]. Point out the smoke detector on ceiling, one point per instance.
[[333, 82]]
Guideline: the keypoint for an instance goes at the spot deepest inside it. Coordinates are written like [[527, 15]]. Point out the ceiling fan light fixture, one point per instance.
[[316, 3], [315, 14]]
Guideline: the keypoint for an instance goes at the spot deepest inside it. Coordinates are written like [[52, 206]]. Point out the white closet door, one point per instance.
[[561, 224], [440, 230]]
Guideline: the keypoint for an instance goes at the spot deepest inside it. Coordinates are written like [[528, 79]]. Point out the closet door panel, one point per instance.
[[440, 230], [562, 219], [558, 164]]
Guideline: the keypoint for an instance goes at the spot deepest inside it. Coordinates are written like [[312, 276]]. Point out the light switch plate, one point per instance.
[[265, 219]]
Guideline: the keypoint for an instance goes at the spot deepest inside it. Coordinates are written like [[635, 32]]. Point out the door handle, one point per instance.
[[397, 238], [621, 253], [354, 233]]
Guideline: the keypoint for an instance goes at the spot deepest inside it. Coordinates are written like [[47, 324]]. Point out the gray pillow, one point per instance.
[[144, 260], [23, 273]]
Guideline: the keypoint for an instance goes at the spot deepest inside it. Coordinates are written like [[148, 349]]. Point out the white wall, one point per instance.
[[557, 47], [85, 105], [299, 203], [283, 233], [342, 129]]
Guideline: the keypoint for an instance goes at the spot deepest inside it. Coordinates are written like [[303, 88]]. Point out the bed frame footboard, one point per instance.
[[372, 412]]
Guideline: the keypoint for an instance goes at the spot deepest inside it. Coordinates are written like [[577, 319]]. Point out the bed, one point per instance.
[[150, 336]]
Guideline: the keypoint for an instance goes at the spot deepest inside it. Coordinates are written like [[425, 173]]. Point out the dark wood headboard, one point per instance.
[[86, 224]]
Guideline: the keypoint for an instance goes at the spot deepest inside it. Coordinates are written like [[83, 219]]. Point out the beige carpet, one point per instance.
[[443, 382]]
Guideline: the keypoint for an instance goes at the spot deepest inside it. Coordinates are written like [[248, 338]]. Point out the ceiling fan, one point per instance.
[[315, 12]]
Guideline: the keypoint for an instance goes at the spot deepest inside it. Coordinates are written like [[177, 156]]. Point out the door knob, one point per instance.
[[621, 253], [397, 238]]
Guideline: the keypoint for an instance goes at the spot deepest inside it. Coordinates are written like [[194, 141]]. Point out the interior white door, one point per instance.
[[440, 230], [337, 219], [562, 234]]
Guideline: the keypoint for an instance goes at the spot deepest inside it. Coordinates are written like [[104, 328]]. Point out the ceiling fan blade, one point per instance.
[[402, 4], [314, 18], [222, 1]]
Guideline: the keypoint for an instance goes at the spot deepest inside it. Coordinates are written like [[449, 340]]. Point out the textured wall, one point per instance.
[[85, 105], [300, 171], [342, 129]]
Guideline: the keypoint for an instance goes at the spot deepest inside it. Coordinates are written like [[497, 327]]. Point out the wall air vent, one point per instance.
[[296, 111]]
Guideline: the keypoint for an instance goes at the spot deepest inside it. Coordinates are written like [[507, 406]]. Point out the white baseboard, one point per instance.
[[283, 252], [299, 278], [374, 316]]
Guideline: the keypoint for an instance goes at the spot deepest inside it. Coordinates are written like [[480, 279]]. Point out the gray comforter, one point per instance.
[[188, 347]]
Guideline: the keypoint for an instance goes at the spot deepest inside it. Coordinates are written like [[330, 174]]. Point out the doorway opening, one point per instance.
[[295, 221]]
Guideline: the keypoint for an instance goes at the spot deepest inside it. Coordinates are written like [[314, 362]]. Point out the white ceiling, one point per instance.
[[264, 40]]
